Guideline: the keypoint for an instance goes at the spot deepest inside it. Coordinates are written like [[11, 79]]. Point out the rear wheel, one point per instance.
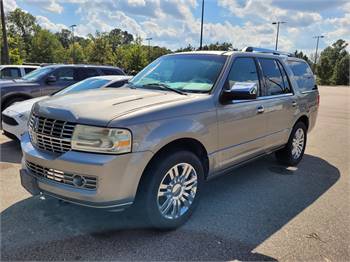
[[293, 152], [171, 189]]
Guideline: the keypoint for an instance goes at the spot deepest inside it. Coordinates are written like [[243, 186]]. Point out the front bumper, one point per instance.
[[117, 176]]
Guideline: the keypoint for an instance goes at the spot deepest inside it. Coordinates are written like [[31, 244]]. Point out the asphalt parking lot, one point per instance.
[[262, 211]]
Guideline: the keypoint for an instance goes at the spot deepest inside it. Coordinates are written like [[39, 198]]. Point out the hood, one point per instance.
[[24, 107], [99, 107]]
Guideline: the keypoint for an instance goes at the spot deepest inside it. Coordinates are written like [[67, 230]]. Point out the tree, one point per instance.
[[22, 24], [46, 48], [329, 69], [302, 56], [186, 49], [99, 50], [118, 37], [341, 71], [77, 51], [65, 37], [218, 46], [132, 57]]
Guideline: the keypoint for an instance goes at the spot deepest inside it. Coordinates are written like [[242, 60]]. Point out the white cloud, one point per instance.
[[10, 5], [45, 23]]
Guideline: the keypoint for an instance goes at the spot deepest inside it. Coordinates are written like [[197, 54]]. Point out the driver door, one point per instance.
[[65, 76], [242, 124]]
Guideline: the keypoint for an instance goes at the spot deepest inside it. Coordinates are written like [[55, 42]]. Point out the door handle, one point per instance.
[[260, 109], [294, 103]]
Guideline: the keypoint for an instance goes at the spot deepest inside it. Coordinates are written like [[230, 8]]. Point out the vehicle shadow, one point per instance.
[[237, 213], [10, 151]]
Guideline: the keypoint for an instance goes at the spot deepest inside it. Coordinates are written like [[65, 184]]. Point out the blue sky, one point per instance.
[[176, 23]]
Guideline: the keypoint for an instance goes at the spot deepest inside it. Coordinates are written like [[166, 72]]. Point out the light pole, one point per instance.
[[278, 30], [318, 39], [201, 39], [149, 48], [5, 49], [73, 51]]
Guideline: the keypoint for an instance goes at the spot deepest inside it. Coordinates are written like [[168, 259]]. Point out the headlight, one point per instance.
[[102, 140]]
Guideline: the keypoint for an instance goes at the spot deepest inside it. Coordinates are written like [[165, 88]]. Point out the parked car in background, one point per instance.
[[49, 79], [15, 117], [15, 71], [184, 119]]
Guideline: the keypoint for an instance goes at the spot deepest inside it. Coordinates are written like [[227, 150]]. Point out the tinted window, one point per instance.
[[273, 77], [28, 69], [37, 74], [302, 75], [64, 74], [111, 71], [92, 83], [10, 72], [192, 73], [83, 73], [118, 83], [287, 88], [243, 70]]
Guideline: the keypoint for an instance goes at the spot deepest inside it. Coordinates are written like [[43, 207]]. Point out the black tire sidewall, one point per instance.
[[156, 175]]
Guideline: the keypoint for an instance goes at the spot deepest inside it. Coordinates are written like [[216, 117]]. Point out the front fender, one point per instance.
[[155, 135]]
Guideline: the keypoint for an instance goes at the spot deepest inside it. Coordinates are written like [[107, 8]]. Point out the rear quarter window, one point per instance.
[[302, 75]]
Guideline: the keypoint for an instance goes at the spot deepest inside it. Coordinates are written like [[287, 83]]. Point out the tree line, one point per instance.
[[30, 43]]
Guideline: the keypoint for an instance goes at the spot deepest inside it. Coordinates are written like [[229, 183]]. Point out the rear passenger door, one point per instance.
[[242, 127], [279, 102]]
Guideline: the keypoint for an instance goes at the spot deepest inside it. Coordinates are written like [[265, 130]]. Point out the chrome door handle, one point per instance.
[[294, 103], [260, 109]]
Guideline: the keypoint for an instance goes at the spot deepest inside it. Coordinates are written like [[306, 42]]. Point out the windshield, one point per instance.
[[90, 83], [188, 73], [37, 74]]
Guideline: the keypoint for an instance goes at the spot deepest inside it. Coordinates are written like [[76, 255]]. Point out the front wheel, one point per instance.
[[171, 189], [293, 152]]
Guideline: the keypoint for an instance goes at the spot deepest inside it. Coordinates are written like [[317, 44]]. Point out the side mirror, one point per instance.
[[240, 91], [51, 79]]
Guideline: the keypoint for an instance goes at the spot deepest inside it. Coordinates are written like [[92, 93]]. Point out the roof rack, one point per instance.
[[265, 51]]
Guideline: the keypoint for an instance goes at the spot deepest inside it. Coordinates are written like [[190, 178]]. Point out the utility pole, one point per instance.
[[201, 40], [278, 30], [5, 59], [73, 41], [318, 39], [149, 48]]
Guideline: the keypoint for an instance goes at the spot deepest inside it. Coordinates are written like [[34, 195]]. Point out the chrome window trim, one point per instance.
[[262, 98]]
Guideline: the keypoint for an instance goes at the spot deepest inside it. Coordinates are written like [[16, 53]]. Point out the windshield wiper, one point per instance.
[[166, 87]]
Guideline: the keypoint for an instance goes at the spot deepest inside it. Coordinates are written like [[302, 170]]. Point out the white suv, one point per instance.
[[15, 71]]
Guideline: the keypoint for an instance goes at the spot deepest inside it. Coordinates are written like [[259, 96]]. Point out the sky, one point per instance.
[[176, 23]]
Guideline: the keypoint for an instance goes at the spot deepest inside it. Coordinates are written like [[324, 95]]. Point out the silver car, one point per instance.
[[184, 119]]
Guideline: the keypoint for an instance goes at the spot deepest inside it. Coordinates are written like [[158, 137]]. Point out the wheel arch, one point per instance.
[[190, 144], [8, 98], [304, 119]]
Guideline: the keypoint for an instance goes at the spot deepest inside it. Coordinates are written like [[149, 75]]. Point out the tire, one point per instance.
[[294, 150], [156, 202]]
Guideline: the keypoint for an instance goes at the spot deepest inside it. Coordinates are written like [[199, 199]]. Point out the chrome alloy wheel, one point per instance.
[[177, 191], [298, 143]]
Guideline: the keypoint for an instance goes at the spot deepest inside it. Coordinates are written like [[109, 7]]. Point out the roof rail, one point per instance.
[[266, 51]]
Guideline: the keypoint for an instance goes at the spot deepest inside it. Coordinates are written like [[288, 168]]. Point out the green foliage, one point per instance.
[[333, 67], [341, 71], [99, 50], [218, 46], [46, 48]]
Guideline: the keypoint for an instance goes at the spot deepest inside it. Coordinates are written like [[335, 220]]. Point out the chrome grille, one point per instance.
[[77, 181], [51, 134]]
